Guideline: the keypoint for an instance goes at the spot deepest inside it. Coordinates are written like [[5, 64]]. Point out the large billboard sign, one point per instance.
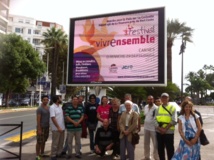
[[118, 49]]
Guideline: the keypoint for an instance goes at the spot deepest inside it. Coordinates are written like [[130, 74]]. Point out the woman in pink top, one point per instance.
[[103, 109]]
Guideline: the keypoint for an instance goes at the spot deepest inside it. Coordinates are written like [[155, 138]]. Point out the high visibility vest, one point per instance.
[[163, 117]]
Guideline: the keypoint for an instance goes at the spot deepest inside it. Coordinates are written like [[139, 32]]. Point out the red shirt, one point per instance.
[[104, 111]]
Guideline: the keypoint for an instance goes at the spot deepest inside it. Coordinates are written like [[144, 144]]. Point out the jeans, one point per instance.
[[91, 137]]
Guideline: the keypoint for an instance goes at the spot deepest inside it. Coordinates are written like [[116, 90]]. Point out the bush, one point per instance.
[[142, 117]]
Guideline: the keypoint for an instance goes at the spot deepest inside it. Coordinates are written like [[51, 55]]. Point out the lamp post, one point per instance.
[[40, 87]]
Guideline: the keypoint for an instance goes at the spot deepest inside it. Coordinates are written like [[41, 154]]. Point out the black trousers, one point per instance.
[[116, 146], [165, 141]]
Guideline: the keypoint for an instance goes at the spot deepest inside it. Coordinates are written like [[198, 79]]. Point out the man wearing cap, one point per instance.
[[165, 120]]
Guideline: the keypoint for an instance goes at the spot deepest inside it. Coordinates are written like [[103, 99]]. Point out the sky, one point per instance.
[[196, 14]]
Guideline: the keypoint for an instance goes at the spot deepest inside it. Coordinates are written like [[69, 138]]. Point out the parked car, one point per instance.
[[25, 102], [13, 103]]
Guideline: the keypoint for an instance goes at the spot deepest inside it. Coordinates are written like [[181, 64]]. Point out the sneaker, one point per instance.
[[78, 156], [37, 158], [116, 157], [106, 153], [92, 152], [44, 155]]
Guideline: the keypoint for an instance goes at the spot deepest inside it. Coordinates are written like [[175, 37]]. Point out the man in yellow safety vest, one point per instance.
[[165, 121]]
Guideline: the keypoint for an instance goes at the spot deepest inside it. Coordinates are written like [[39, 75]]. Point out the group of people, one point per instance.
[[159, 126], [110, 127]]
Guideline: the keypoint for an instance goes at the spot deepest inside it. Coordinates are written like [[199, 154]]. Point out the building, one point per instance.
[[32, 30], [4, 13]]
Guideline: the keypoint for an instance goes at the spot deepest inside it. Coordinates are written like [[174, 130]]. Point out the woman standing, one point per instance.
[[189, 128], [91, 114], [128, 124], [103, 110]]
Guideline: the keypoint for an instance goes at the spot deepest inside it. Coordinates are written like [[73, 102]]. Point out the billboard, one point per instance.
[[118, 49]]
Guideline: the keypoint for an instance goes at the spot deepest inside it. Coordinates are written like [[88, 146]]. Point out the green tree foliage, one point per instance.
[[57, 39], [200, 82], [172, 89], [119, 92], [19, 63], [141, 93]]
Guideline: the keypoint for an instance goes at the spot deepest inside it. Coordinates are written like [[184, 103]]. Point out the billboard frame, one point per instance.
[[162, 55]]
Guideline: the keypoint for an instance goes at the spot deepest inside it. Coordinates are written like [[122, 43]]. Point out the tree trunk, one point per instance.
[[169, 61], [53, 73]]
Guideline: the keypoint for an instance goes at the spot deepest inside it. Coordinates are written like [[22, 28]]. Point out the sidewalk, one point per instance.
[[28, 150], [28, 146]]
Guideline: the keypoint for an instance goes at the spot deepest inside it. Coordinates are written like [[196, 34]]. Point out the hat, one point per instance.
[[165, 94]]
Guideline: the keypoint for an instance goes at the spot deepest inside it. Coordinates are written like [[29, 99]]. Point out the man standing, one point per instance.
[[74, 117], [158, 101], [57, 126], [165, 120], [149, 129], [42, 118], [134, 108]]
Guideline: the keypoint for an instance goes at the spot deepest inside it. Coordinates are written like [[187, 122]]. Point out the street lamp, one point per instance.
[[40, 87]]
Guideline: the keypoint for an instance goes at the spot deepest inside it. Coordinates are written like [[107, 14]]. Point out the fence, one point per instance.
[[15, 156]]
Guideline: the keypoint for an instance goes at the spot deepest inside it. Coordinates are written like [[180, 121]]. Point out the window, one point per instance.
[[18, 30], [29, 31], [39, 23], [27, 21], [36, 41], [20, 21], [36, 32]]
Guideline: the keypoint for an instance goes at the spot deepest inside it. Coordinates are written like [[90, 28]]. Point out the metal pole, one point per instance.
[[47, 64], [20, 143], [182, 69], [40, 93], [62, 72]]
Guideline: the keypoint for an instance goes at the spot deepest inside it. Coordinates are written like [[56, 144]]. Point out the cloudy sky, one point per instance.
[[197, 15]]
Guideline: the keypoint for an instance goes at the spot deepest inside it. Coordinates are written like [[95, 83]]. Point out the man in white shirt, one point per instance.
[[57, 126], [149, 129]]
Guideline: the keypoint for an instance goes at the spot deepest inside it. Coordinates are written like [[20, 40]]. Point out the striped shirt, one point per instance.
[[75, 114]]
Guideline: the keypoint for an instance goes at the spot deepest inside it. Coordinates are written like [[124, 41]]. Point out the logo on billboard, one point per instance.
[[113, 68], [127, 67]]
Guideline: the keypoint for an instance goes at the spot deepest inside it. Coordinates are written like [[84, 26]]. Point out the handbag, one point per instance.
[[203, 138], [135, 137]]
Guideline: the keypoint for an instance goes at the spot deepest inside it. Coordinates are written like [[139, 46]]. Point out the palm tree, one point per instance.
[[174, 30], [57, 39]]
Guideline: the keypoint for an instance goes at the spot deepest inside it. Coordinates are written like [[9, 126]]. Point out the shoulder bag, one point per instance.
[[135, 135], [203, 138]]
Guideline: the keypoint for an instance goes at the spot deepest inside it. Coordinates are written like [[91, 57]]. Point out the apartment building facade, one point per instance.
[[4, 13], [30, 29]]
